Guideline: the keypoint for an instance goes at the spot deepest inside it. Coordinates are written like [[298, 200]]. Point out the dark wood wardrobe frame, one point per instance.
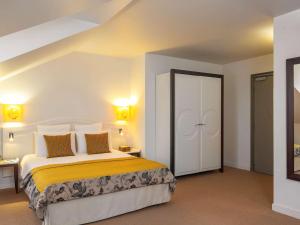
[[172, 112], [290, 117], [253, 77]]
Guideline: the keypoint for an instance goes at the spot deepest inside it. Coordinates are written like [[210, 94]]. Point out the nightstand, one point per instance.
[[135, 152], [15, 164]]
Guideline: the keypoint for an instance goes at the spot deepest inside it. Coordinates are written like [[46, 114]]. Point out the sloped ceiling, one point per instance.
[[35, 37], [218, 31], [16, 15]]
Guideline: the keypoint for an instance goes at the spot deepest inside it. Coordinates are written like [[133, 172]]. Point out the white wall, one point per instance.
[[80, 85], [157, 64], [237, 113], [137, 89], [77, 84], [286, 45]]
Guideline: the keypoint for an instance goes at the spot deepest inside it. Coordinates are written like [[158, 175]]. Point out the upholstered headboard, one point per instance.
[[23, 136]]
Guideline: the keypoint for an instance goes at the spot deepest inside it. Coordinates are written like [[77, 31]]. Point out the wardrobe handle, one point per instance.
[[200, 124]]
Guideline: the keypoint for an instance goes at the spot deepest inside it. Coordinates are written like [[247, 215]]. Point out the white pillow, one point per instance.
[[81, 142], [88, 127], [40, 143], [54, 128]]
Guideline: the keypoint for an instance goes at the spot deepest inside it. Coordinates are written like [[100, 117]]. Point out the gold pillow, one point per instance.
[[97, 143], [59, 145]]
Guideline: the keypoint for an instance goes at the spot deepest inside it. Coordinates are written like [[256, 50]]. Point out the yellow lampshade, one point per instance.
[[13, 112], [123, 109], [122, 113]]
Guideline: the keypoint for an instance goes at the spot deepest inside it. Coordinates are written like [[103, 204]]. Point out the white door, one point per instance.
[[197, 124], [210, 158], [187, 116]]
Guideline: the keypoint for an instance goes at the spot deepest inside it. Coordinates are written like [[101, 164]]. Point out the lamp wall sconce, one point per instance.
[[122, 114], [12, 116], [123, 109], [122, 117], [121, 132], [11, 136], [13, 112]]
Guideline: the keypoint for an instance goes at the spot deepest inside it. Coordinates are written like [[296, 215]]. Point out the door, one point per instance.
[[262, 123], [211, 120], [187, 118], [197, 124]]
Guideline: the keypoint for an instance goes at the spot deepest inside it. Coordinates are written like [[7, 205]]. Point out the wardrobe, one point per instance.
[[189, 121]]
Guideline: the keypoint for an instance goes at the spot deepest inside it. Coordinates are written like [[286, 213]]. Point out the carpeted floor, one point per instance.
[[233, 198]]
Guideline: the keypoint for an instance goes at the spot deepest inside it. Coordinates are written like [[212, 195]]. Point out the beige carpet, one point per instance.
[[233, 198]]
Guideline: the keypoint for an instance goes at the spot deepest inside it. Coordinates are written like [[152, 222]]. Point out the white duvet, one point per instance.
[[32, 161]]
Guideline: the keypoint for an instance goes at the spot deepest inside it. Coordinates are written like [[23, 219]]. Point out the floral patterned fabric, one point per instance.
[[93, 187]]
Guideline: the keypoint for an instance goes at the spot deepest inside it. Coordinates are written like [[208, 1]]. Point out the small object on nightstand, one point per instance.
[[135, 152], [124, 148], [15, 164]]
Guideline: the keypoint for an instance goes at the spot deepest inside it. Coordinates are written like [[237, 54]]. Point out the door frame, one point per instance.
[[253, 77], [172, 112]]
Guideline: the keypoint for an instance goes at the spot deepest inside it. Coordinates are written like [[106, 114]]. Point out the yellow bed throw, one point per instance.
[[45, 176]]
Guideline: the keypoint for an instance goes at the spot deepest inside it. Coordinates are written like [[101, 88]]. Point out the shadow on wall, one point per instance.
[[40, 56]]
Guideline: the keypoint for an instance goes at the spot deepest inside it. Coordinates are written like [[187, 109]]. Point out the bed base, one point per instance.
[[87, 210]]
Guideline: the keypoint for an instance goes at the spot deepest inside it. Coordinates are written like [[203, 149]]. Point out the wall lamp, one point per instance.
[[12, 116], [123, 108]]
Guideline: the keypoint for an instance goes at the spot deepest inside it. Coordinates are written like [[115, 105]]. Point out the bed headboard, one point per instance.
[[24, 142]]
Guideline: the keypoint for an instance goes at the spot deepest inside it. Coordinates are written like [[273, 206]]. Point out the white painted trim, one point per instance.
[[237, 165], [286, 210]]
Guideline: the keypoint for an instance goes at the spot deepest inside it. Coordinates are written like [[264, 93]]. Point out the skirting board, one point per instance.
[[286, 210], [237, 165]]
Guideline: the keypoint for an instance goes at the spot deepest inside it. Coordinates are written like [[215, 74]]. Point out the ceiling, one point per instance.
[[16, 15], [37, 36], [218, 31]]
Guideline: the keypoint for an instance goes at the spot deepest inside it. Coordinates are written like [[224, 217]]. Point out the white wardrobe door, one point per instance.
[[211, 117], [187, 113]]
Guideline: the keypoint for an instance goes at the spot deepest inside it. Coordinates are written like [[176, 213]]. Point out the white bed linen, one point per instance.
[[87, 210], [32, 161]]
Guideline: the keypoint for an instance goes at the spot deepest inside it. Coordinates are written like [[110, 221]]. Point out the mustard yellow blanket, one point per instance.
[[45, 176], [62, 182]]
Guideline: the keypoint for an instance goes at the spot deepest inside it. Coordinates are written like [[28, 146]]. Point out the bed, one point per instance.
[[70, 199]]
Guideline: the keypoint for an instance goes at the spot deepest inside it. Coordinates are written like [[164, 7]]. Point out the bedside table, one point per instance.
[[15, 164], [135, 152]]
